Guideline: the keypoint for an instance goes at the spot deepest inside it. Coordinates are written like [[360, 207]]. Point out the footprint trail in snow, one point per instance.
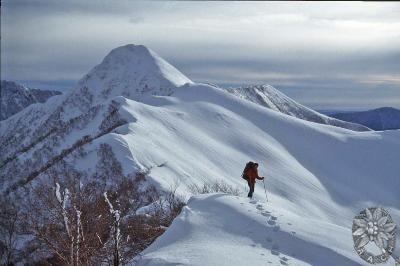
[[273, 228]]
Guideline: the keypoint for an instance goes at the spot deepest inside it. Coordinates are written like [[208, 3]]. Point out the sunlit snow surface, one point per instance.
[[318, 176], [220, 229]]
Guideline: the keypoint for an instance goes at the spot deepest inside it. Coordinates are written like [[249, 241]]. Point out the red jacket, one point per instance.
[[252, 174]]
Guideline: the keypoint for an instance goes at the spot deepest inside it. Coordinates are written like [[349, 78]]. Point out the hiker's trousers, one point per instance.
[[251, 187]]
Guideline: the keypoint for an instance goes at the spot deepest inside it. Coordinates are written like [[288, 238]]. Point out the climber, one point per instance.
[[250, 173]]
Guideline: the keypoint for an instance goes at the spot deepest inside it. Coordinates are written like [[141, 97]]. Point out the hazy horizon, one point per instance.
[[331, 56]]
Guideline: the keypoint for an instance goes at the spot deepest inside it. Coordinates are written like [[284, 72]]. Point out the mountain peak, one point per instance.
[[131, 71], [130, 53]]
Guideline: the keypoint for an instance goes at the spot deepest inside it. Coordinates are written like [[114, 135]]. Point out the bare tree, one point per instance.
[[9, 216], [82, 225], [69, 220], [76, 219], [115, 236]]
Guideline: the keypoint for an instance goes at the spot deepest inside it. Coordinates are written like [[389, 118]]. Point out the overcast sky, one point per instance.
[[325, 55]]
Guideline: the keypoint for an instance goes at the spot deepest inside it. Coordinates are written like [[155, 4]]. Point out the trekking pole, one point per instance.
[[265, 190]]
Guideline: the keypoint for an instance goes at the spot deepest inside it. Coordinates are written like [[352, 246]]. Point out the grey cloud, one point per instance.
[[352, 67], [101, 7], [136, 19], [308, 51]]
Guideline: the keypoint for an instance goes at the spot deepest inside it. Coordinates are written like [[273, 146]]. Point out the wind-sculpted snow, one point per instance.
[[270, 97], [219, 229], [156, 120]]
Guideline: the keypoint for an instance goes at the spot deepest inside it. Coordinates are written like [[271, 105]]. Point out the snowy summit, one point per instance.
[[132, 71]]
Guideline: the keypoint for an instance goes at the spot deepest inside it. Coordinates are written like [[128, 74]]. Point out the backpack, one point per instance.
[[246, 169]]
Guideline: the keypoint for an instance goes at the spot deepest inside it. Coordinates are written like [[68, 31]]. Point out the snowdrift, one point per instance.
[[219, 229]]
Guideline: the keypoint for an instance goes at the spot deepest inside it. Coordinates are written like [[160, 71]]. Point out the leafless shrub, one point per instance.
[[174, 202], [217, 186], [67, 220]]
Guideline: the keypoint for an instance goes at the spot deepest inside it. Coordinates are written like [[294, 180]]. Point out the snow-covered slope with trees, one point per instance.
[[268, 96], [15, 97], [156, 120], [384, 118]]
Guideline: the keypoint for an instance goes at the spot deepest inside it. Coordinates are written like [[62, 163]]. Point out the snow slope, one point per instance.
[[219, 229], [185, 133], [270, 97], [313, 171], [384, 118]]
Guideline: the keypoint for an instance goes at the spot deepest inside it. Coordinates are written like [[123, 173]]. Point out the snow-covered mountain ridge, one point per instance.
[[270, 97], [183, 132]]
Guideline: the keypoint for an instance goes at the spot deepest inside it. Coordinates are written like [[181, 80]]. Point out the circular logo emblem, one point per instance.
[[374, 226]]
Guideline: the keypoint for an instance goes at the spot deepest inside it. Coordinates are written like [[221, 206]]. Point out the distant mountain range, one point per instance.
[[268, 96], [384, 118], [15, 97]]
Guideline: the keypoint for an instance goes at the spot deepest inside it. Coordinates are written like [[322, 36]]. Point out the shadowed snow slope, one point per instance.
[[270, 97], [156, 119]]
